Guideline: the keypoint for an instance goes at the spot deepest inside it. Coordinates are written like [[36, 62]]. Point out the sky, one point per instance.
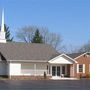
[[69, 18]]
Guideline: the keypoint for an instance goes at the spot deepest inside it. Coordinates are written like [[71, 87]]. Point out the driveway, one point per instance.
[[44, 85]]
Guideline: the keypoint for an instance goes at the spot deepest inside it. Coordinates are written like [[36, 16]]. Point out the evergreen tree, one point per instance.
[[7, 36], [37, 37]]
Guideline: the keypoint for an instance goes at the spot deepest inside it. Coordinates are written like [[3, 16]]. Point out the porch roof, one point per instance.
[[62, 59]]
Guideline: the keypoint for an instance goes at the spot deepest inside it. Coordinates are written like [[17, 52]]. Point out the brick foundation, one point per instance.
[[29, 78]]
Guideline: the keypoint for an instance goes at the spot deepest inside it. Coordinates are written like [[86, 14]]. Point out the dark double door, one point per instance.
[[56, 71]]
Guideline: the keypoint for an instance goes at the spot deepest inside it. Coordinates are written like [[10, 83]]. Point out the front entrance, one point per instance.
[[58, 70], [55, 70]]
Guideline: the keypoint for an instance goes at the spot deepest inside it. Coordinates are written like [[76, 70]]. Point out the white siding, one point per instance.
[[14, 69], [27, 69], [61, 60], [27, 65], [33, 68], [41, 68]]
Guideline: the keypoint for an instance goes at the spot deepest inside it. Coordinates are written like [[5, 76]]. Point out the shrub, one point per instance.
[[45, 76], [88, 75], [80, 76]]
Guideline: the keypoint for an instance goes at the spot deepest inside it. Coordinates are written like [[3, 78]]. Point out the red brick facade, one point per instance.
[[83, 59], [29, 78]]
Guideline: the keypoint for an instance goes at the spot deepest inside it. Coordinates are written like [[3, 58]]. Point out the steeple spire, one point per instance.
[[2, 24], [2, 32]]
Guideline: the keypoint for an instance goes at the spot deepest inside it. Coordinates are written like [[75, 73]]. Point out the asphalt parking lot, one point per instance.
[[44, 85]]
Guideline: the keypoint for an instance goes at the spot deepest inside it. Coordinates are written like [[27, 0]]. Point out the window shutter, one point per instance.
[[83, 68], [77, 68]]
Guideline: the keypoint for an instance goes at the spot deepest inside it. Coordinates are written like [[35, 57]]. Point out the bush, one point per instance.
[[88, 75], [45, 76], [80, 76]]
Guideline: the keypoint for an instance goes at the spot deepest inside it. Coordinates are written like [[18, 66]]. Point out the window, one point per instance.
[[81, 68], [47, 69], [63, 69]]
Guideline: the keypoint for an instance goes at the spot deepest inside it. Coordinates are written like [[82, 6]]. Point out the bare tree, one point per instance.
[[26, 34], [71, 49], [85, 47], [51, 38]]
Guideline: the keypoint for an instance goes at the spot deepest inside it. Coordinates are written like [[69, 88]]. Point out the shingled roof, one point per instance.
[[25, 51], [74, 55]]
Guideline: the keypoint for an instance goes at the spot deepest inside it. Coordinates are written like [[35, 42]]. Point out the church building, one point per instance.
[[19, 59]]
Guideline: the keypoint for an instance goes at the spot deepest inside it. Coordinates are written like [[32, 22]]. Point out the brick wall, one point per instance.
[[29, 78], [83, 60]]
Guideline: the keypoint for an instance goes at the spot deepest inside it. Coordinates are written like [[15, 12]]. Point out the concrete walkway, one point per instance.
[[63, 78]]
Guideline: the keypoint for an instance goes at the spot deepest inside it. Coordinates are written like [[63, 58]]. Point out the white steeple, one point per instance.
[[2, 24], [2, 32]]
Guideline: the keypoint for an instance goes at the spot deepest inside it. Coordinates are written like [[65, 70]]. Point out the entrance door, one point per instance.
[[53, 70], [63, 69], [56, 71]]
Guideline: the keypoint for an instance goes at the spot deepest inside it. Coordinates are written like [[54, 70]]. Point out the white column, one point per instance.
[[51, 70], [73, 69], [60, 69], [65, 69], [35, 69], [9, 70], [56, 71]]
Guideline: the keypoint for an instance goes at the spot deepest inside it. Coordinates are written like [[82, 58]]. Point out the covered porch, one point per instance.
[[62, 66], [60, 70]]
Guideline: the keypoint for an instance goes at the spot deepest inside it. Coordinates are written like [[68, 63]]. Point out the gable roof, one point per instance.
[[26, 51], [57, 58], [76, 55]]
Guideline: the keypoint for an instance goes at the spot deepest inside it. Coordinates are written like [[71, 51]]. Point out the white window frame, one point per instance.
[[83, 71], [80, 68]]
